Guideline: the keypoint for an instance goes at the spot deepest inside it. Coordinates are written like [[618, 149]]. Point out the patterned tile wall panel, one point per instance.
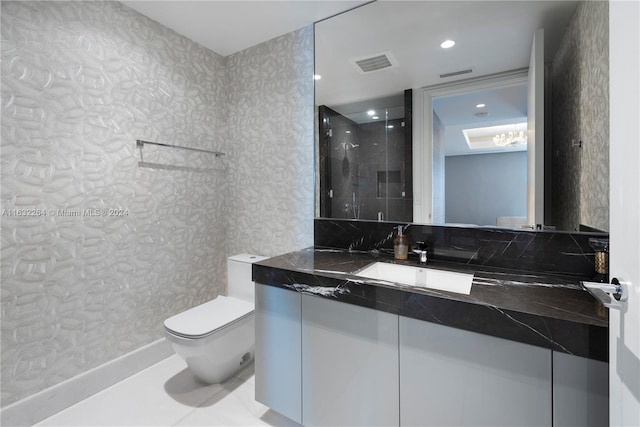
[[80, 82], [580, 87], [271, 134]]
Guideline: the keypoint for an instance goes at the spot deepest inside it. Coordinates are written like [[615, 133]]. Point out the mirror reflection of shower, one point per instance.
[[351, 210], [365, 160]]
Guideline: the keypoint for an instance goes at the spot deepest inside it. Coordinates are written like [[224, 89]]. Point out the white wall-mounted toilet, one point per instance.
[[216, 339]]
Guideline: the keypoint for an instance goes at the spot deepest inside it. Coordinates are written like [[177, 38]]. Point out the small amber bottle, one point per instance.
[[601, 259]]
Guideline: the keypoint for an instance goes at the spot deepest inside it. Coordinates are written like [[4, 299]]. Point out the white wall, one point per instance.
[[81, 81], [481, 187]]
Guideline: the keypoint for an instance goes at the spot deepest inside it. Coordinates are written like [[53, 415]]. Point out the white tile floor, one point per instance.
[[167, 394]]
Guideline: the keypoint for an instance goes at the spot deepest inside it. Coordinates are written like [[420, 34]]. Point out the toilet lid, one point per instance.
[[206, 318]]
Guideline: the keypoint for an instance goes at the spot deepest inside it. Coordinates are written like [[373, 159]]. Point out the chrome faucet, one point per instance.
[[422, 251]]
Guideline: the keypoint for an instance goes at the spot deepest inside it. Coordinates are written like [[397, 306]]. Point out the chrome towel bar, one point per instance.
[[140, 143]]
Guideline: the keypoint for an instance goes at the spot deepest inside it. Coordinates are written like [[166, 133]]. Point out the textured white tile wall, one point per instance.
[[80, 82], [580, 104], [271, 135]]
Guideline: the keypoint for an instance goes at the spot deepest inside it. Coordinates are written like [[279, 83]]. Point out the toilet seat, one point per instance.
[[205, 319]]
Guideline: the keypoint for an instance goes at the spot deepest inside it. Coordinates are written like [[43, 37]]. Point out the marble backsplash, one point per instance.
[[546, 252]]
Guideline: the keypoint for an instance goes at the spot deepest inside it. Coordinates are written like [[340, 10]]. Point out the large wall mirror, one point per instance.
[[506, 127]]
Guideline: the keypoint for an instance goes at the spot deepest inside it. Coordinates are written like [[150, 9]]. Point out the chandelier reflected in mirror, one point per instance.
[[513, 137], [507, 137]]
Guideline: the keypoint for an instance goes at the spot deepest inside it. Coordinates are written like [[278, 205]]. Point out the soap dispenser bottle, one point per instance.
[[400, 245]]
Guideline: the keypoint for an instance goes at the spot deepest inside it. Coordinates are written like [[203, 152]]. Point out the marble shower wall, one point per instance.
[[271, 139], [580, 104], [81, 81]]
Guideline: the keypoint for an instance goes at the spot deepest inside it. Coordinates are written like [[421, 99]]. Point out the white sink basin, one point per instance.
[[419, 276]]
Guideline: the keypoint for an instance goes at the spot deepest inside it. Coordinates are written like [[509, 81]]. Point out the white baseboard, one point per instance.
[[45, 403]]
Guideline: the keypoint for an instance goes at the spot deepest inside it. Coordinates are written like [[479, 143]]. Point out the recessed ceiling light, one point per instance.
[[481, 105], [375, 117], [390, 127], [447, 44], [317, 77], [371, 112], [347, 131]]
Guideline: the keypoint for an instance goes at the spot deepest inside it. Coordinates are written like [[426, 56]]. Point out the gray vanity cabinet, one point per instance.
[[453, 377], [580, 391], [325, 362], [349, 364], [277, 352]]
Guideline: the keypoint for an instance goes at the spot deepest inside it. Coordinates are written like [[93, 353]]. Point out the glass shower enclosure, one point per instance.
[[365, 157]]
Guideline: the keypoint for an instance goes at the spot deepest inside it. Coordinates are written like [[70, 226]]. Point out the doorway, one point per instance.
[[453, 102]]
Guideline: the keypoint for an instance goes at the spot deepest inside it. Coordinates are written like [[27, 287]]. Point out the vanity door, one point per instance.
[[278, 342], [451, 377], [349, 364]]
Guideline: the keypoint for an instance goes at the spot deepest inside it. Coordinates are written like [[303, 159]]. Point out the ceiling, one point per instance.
[[503, 105], [490, 36], [227, 27]]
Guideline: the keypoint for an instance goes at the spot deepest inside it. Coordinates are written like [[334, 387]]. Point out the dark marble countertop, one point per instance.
[[549, 311]]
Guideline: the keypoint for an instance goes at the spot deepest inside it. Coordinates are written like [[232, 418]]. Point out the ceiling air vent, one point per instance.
[[456, 73], [375, 62]]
